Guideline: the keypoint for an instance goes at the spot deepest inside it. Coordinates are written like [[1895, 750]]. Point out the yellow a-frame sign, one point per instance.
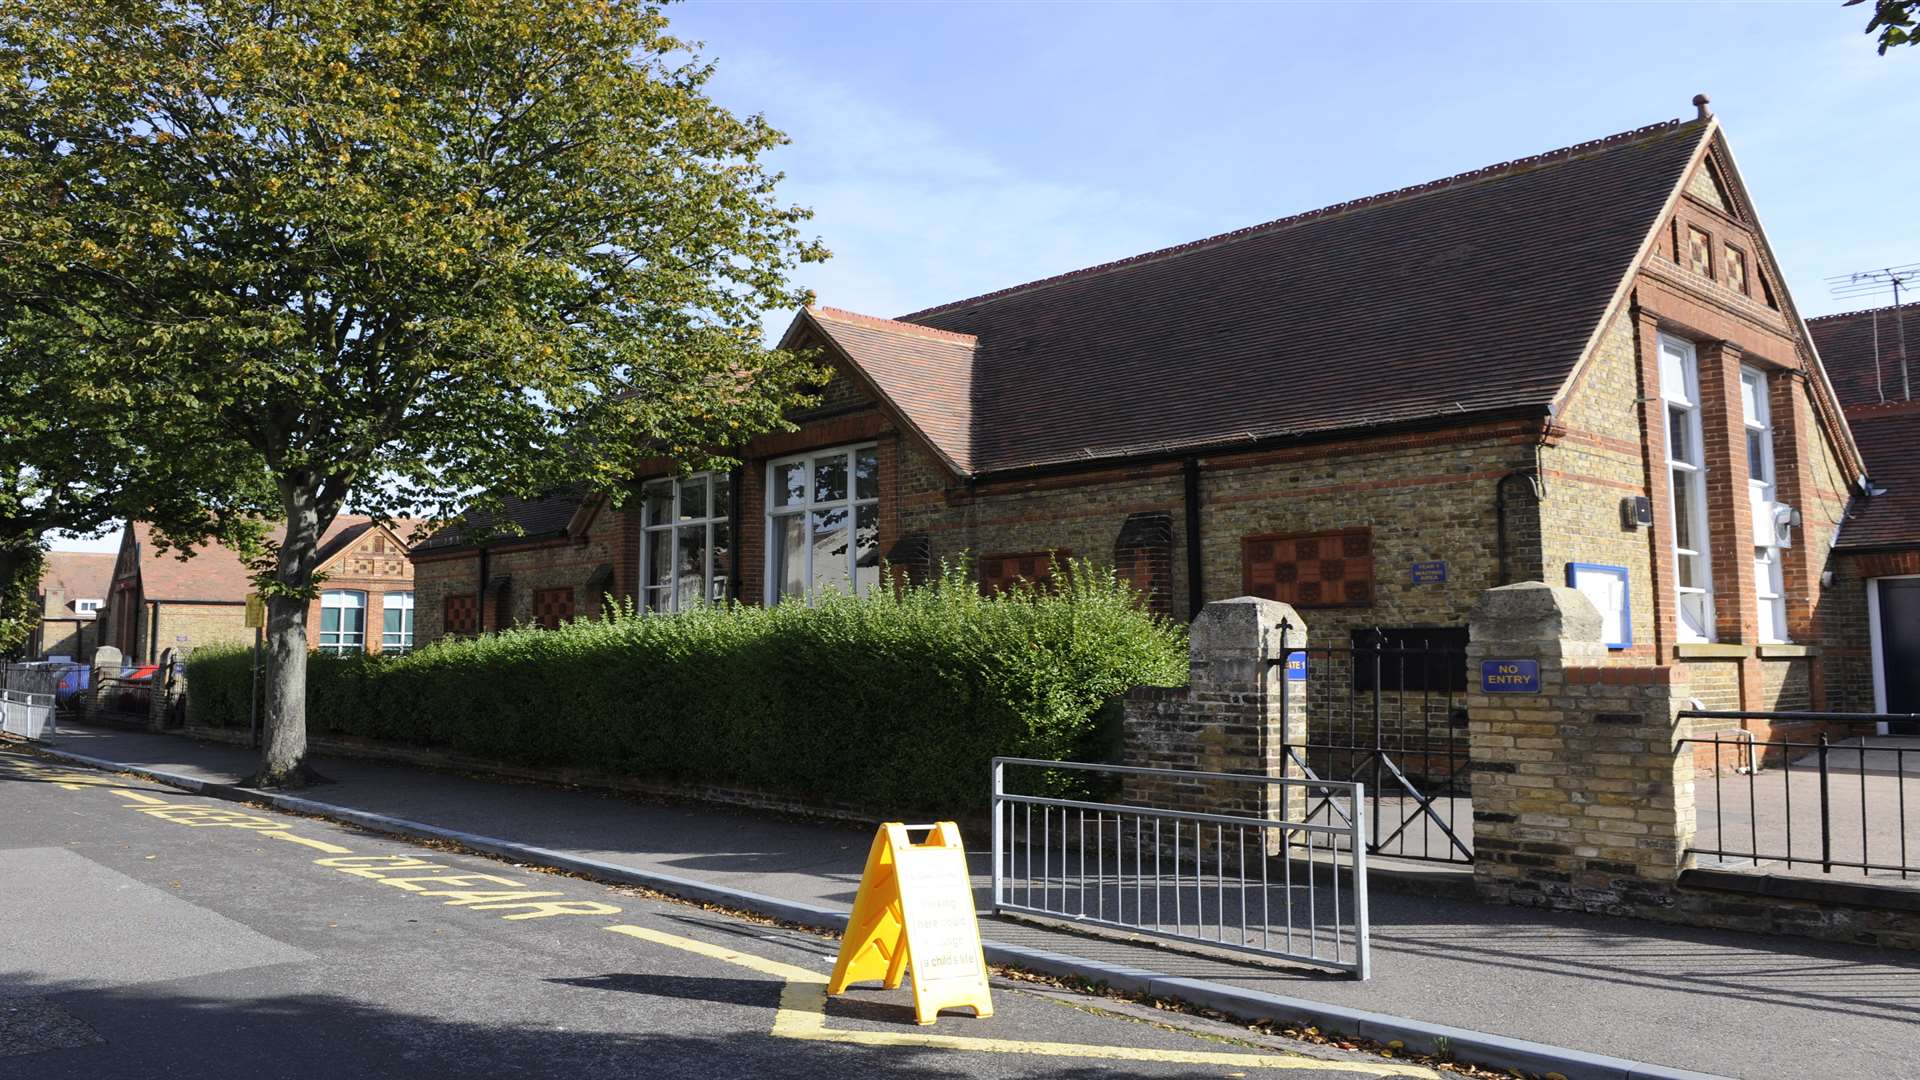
[[915, 911]]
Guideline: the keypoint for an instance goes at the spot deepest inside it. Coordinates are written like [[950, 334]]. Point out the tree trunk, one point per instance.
[[283, 741]]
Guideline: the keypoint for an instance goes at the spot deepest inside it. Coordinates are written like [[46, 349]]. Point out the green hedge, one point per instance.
[[888, 701]]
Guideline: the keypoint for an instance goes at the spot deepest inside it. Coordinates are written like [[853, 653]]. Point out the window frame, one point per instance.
[[1769, 586], [1693, 475], [340, 645], [772, 515], [652, 533], [402, 601]]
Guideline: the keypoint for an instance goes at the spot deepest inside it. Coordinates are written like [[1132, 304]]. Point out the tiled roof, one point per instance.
[[1889, 438], [1861, 352], [75, 575], [926, 373], [544, 516], [215, 572], [1473, 294]]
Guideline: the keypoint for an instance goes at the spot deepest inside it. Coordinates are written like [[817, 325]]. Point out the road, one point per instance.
[[148, 933]]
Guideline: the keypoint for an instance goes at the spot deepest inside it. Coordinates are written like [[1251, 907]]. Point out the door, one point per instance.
[[1900, 648]]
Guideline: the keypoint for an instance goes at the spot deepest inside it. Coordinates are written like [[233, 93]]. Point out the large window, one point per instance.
[[343, 621], [1680, 392], [823, 524], [396, 622], [1768, 587], [688, 552]]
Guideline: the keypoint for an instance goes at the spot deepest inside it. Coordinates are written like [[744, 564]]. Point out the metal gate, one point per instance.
[[1387, 711], [1254, 877], [27, 715]]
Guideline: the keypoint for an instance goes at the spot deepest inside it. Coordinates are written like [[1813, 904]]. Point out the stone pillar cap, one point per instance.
[[1534, 611]]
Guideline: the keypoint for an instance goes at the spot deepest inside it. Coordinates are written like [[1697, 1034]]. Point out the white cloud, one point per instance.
[[917, 216]]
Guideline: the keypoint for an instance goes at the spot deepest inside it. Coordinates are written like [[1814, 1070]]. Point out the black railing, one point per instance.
[[1814, 800], [1387, 711]]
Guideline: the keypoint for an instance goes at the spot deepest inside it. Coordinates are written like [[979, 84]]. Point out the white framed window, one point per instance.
[[823, 523], [686, 551], [343, 621], [88, 607], [396, 622], [1768, 582], [1686, 470]]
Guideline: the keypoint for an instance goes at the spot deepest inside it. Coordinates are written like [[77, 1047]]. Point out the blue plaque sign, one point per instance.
[[1509, 676], [1296, 667], [1430, 573]]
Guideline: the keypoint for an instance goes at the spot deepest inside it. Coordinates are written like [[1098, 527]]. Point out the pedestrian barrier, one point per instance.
[[27, 715], [1262, 876]]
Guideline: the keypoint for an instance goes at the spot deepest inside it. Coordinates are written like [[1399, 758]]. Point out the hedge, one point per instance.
[[893, 700]]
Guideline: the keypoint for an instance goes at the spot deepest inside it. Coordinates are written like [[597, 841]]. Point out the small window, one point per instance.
[[551, 607], [1699, 251], [1736, 270], [1426, 659], [88, 607], [343, 621], [462, 615], [396, 622]]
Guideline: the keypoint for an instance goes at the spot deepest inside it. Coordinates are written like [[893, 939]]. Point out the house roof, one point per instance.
[[1861, 352], [1889, 438], [537, 518], [215, 573], [1476, 294], [74, 575]]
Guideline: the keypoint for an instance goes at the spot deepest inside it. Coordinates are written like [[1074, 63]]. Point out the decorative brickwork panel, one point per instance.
[[551, 607], [999, 572], [1329, 569], [462, 615]]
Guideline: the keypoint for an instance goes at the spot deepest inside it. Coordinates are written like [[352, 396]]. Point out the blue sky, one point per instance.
[[949, 149]]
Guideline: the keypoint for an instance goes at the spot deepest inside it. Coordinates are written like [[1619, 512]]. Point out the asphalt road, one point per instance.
[[148, 933]]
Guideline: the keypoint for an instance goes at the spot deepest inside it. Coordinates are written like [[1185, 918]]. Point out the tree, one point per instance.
[[1895, 21], [407, 250]]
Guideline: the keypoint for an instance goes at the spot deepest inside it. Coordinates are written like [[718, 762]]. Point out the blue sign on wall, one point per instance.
[[1430, 573], [1296, 667], [1509, 676]]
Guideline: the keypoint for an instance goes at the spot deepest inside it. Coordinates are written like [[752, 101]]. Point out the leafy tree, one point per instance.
[[1895, 21], [407, 250]]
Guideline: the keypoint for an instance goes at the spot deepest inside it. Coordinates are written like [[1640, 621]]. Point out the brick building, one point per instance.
[[1875, 663], [1582, 366], [73, 589], [157, 601]]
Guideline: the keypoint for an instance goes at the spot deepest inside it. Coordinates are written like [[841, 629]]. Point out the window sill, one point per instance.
[[1711, 650], [1784, 651]]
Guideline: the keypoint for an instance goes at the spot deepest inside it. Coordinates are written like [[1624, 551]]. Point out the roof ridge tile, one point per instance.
[[1486, 172], [881, 323]]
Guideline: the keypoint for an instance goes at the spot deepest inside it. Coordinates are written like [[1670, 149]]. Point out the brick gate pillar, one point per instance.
[[1581, 798], [1229, 718]]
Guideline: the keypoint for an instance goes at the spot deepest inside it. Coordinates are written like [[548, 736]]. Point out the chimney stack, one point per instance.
[[1700, 103]]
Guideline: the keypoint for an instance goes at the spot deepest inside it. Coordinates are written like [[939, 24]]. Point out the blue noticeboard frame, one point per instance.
[[1297, 666], [1589, 579], [1430, 572]]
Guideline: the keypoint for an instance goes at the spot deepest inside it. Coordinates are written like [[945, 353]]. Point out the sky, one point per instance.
[[950, 149]]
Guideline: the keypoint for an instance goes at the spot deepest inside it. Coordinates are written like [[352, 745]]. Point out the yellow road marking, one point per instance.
[[138, 797], [317, 845], [803, 1015]]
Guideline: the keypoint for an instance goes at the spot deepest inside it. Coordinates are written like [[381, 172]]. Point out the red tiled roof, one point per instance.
[[1889, 438], [925, 372], [1861, 352], [1473, 294], [215, 572], [75, 575]]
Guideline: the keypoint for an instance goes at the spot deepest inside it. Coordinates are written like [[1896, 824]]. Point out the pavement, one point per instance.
[[154, 934], [1723, 1003]]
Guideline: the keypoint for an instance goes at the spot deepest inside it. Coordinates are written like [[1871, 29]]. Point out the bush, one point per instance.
[[892, 701]]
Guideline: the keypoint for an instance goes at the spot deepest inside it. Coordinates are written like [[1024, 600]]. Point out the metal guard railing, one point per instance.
[[1270, 884]]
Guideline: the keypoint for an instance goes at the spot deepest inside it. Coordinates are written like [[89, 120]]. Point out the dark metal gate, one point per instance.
[[1388, 711]]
